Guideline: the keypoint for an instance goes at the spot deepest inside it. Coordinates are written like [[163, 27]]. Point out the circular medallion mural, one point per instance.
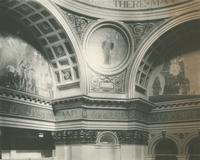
[[107, 48]]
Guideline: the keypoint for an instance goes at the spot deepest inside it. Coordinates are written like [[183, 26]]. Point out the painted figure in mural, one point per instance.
[[156, 87], [27, 78], [11, 76], [22, 67], [107, 47], [175, 78]]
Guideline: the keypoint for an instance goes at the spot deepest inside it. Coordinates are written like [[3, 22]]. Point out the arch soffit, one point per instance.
[[53, 8], [149, 41]]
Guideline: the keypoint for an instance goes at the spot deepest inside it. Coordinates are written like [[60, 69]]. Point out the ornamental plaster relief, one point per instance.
[[131, 4], [25, 110], [111, 84]]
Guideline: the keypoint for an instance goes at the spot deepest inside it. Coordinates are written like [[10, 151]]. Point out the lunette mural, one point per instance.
[[177, 76], [23, 68]]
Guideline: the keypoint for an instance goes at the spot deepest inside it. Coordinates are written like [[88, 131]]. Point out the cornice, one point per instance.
[[181, 103], [24, 96], [129, 15], [134, 103]]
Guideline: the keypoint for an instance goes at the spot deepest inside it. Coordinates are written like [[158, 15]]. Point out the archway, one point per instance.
[[165, 149], [138, 87], [172, 59]]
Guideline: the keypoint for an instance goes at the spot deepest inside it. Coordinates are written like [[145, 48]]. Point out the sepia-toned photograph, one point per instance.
[[99, 79]]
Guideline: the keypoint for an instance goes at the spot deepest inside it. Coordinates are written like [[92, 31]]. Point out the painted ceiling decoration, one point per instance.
[[23, 68], [55, 43], [109, 42]]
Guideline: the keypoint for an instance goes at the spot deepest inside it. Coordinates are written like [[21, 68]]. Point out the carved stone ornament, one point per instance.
[[131, 4], [79, 23], [110, 84], [140, 30], [90, 136]]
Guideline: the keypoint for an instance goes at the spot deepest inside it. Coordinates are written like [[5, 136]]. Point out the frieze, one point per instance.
[[140, 30], [86, 108], [131, 4], [23, 96], [114, 115], [107, 83], [178, 104], [79, 23], [90, 136], [25, 110], [117, 115], [175, 116], [71, 114]]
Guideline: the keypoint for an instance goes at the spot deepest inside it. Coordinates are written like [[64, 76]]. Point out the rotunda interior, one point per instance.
[[99, 79]]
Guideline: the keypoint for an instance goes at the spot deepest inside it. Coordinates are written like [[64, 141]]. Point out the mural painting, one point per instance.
[[107, 48], [22, 67], [177, 76]]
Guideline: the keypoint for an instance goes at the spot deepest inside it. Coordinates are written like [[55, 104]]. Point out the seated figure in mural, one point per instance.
[[107, 46]]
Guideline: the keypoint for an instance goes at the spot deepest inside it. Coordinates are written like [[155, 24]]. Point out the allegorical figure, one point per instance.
[[107, 46]]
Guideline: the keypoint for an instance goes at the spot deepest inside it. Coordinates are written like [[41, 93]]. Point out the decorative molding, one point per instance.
[[83, 136], [130, 14], [106, 114], [21, 122], [140, 30], [78, 22], [24, 96], [89, 109], [175, 116], [169, 103], [134, 103], [22, 110], [103, 83], [110, 137], [131, 4], [113, 34]]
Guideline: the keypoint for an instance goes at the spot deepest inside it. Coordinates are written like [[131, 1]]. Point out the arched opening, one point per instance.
[[167, 69], [47, 32], [107, 138], [165, 149], [23, 65], [194, 149]]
